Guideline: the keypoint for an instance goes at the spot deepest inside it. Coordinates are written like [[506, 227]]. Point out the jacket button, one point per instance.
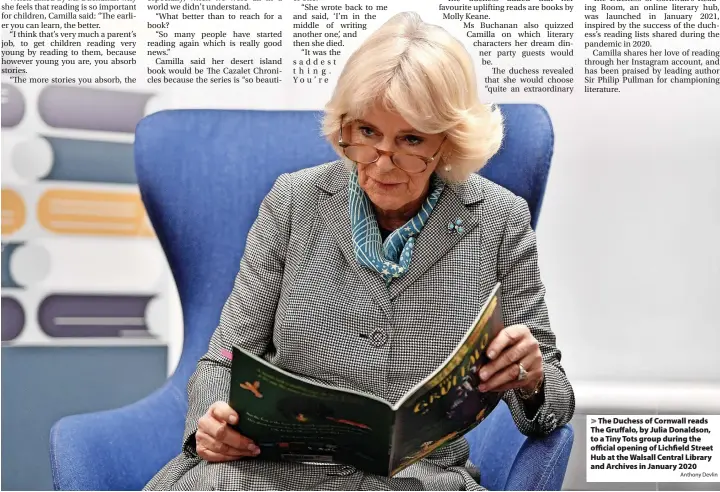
[[378, 338]]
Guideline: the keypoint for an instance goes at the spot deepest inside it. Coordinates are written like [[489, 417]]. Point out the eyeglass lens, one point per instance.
[[364, 154]]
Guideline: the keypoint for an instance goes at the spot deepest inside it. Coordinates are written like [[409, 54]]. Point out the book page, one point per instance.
[[629, 217]]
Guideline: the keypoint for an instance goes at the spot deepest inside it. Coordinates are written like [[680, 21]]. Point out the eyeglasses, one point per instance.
[[367, 154]]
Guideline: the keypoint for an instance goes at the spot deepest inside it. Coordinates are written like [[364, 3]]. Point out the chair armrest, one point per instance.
[[118, 449], [541, 462]]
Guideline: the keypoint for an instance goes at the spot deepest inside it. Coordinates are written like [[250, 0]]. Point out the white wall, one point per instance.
[[630, 235]]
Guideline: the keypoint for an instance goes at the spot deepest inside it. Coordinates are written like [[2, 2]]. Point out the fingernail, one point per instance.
[[483, 375], [482, 387], [233, 419], [491, 354], [253, 449]]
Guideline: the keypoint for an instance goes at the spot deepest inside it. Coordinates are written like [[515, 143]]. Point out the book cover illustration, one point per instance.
[[292, 418], [449, 404]]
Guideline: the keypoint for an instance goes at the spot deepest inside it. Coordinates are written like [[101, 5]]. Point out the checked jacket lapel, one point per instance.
[[334, 208], [434, 241]]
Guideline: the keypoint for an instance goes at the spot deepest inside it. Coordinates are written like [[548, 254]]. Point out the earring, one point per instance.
[[446, 157]]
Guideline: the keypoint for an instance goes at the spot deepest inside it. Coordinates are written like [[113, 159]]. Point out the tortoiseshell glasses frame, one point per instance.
[[367, 154]]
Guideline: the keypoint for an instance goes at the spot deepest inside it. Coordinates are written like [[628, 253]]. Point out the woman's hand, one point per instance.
[[216, 441], [513, 346]]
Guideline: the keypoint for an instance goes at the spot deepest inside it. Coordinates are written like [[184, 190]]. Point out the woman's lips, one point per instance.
[[385, 186]]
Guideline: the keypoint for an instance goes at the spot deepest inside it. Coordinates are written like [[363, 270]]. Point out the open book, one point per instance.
[[291, 418]]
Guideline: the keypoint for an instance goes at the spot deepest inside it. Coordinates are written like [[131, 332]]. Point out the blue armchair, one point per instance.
[[202, 175]]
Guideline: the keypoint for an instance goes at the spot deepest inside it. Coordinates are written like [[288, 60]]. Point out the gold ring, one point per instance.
[[523, 374]]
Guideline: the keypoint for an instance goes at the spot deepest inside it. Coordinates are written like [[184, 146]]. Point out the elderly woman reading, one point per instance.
[[364, 273]]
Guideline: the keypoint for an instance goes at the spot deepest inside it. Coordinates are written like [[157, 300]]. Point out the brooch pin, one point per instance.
[[456, 226]]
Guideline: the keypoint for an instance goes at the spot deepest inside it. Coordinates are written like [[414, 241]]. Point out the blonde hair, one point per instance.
[[425, 75]]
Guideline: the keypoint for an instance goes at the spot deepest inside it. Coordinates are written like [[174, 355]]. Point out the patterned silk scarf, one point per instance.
[[390, 259]]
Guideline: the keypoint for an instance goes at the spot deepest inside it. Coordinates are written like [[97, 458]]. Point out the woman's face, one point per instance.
[[390, 188]]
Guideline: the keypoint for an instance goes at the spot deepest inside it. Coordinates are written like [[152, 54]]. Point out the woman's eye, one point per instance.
[[413, 140], [366, 131]]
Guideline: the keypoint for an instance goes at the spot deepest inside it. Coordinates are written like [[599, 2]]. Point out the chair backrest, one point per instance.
[[203, 173]]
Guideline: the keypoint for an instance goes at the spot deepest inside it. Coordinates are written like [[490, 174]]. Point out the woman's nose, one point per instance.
[[384, 162]]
